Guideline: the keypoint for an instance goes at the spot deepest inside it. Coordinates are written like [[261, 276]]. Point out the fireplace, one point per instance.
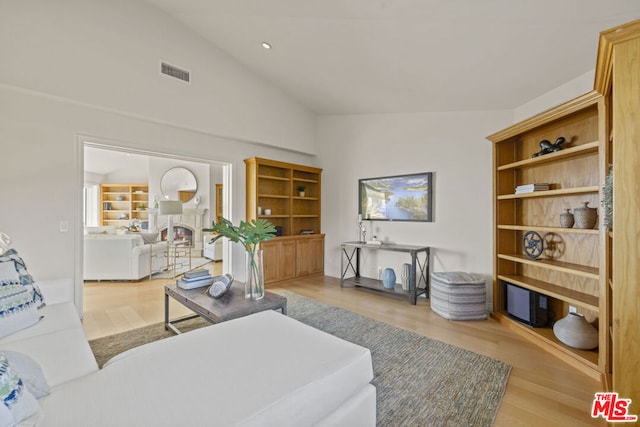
[[187, 226], [180, 233]]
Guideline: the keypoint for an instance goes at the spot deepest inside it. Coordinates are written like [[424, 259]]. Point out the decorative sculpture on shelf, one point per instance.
[[547, 147]]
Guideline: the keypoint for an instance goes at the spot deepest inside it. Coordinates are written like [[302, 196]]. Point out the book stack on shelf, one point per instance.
[[195, 279], [530, 188]]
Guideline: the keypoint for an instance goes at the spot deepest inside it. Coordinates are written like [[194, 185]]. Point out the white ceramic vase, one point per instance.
[[574, 331]]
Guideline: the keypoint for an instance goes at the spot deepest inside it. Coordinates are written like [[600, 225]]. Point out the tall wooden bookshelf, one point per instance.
[[120, 203], [572, 270], [272, 194]]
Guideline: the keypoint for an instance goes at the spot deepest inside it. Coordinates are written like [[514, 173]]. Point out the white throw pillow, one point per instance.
[[14, 396], [149, 237]]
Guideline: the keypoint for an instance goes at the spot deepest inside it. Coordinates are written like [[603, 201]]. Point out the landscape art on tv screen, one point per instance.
[[397, 198]]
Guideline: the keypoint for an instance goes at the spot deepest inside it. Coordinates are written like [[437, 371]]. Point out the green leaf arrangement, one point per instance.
[[248, 234]]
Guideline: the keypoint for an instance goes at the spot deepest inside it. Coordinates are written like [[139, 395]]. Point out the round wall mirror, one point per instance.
[[178, 184]]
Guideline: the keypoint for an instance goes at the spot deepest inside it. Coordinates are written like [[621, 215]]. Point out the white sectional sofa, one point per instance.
[[111, 256], [261, 370]]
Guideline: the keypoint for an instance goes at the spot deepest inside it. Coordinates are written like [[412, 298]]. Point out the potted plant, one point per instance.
[[249, 235], [300, 189]]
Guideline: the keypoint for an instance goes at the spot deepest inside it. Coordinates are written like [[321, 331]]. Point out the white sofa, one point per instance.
[[261, 370], [110, 256]]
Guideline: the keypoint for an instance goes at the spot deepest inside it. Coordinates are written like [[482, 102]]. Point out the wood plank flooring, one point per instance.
[[542, 390]]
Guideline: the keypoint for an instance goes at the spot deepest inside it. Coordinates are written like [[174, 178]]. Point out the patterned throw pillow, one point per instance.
[[21, 276], [30, 372], [16, 402], [17, 309]]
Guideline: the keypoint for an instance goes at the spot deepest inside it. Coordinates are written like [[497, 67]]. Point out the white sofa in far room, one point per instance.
[[213, 251], [111, 256], [265, 369]]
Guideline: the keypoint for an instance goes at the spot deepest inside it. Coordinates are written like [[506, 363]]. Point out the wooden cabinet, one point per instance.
[[618, 80], [293, 256], [120, 203], [274, 192], [571, 271]]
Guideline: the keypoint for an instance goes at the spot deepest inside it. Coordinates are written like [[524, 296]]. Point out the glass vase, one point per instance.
[[254, 283]]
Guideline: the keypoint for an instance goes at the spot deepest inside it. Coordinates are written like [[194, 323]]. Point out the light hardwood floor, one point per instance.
[[542, 390]]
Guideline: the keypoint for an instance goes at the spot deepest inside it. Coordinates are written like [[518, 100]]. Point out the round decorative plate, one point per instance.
[[532, 244]]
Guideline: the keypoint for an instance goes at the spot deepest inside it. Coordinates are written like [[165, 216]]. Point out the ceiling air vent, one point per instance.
[[173, 71]]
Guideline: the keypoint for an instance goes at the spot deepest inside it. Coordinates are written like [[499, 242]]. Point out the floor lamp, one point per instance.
[[170, 208]]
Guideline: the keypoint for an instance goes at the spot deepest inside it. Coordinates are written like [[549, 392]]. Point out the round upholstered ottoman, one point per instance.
[[457, 295]]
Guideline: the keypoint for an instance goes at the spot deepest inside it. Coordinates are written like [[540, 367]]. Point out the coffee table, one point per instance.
[[231, 305]]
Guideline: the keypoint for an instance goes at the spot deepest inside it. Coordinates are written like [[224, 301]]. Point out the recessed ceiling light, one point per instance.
[[266, 45]]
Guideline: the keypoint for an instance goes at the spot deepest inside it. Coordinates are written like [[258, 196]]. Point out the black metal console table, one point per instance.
[[351, 250]]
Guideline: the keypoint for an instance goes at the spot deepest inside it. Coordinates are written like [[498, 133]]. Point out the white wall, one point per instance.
[[108, 54], [451, 145], [563, 93]]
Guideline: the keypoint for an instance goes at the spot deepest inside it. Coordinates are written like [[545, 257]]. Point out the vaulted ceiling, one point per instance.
[[405, 56]]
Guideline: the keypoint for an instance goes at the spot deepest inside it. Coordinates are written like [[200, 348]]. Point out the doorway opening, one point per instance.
[[122, 190]]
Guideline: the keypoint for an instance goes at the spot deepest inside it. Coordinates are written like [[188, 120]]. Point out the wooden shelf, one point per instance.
[[585, 360], [557, 230], [271, 184], [564, 267], [567, 153], [275, 178], [572, 297], [274, 196], [552, 193]]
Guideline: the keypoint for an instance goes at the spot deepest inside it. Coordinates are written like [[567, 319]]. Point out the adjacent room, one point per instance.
[[336, 213]]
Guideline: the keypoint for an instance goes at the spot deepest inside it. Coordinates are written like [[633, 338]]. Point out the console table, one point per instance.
[[351, 254]]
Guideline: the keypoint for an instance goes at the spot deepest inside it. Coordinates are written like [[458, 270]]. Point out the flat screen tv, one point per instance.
[[397, 198]]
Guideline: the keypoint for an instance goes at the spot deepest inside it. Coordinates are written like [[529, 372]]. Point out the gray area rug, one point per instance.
[[419, 381]]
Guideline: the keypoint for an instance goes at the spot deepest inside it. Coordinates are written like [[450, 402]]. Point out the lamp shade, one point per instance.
[[170, 207]]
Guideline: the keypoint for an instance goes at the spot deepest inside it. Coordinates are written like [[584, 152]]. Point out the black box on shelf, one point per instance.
[[526, 306]]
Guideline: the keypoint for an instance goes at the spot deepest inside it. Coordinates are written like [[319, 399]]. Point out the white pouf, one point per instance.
[[458, 295]]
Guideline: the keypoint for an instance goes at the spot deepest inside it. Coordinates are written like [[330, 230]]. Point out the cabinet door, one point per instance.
[[309, 256], [279, 260], [271, 261], [287, 261]]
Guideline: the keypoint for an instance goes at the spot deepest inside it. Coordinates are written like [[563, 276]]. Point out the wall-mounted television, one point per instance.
[[397, 198]]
